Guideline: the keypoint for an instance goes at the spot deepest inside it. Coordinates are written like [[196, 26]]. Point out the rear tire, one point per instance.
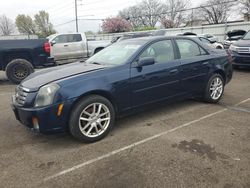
[[214, 89], [92, 118], [18, 69]]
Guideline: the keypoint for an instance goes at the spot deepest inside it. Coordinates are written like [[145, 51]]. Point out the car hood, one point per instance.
[[242, 43], [48, 75], [236, 33]]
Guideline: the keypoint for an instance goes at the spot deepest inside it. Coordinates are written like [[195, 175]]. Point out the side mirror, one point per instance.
[[146, 61], [52, 43]]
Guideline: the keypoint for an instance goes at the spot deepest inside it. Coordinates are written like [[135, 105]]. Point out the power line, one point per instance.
[[59, 6], [164, 13], [82, 19]]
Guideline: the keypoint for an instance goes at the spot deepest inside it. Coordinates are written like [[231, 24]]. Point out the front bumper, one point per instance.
[[241, 60], [47, 119]]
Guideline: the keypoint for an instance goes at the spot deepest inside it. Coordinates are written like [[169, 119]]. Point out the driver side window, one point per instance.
[[161, 51], [61, 39]]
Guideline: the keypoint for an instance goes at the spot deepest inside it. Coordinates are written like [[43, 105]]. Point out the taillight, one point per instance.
[[47, 47]]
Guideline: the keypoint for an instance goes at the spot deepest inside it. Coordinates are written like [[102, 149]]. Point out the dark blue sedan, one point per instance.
[[86, 97]]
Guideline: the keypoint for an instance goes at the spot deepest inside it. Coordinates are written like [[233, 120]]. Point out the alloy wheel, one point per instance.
[[94, 120], [216, 88]]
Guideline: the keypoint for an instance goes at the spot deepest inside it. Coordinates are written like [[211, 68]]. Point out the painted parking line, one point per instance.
[[81, 165], [239, 109]]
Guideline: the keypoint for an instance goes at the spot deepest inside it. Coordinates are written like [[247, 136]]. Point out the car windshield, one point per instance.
[[116, 54], [247, 36]]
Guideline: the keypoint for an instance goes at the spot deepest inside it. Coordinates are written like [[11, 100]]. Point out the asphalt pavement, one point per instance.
[[186, 144]]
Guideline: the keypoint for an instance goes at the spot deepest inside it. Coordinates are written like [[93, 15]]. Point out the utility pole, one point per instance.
[[76, 16]]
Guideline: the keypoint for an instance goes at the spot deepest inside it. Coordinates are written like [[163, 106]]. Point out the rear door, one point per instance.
[[76, 46], [158, 81], [194, 65]]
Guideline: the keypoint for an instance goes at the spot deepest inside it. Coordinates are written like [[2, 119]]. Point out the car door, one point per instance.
[[76, 46], [194, 65], [59, 48], [158, 81]]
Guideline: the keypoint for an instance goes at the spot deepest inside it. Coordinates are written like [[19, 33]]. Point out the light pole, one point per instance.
[[76, 16]]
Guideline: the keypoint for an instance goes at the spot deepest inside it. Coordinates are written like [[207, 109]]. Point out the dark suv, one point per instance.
[[241, 51]]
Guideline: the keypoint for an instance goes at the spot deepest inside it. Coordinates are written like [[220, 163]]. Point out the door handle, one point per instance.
[[174, 71], [66, 45], [205, 63]]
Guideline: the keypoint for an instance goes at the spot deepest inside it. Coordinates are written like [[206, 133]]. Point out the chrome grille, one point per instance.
[[243, 50], [21, 95]]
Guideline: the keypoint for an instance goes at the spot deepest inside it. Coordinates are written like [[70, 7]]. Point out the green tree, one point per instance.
[[25, 24], [43, 24]]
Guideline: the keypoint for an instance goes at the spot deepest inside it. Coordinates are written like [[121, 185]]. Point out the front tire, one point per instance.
[[214, 89], [92, 118], [18, 69]]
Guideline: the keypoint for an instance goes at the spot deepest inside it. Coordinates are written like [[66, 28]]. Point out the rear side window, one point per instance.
[[162, 51], [204, 40], [74, 38], [189, 48]]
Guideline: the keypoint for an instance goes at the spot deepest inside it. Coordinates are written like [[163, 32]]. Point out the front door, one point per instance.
[[159, 81], [60, 47]]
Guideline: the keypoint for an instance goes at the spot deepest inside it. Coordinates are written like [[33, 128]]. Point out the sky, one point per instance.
[[62, 12]]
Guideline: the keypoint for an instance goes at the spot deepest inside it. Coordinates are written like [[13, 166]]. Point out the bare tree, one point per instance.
[[245, 6], [6, 25], [152, 10], [216, 11], [145, 13], [134, 15], [175, 13]]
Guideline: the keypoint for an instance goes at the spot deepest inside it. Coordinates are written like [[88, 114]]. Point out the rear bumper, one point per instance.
[[44, 61], [47, 119]]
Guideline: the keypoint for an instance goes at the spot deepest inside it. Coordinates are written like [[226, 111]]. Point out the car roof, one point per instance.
[[150, 39]]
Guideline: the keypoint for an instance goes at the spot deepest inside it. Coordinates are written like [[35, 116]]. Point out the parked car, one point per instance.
[[74, 46], [241, 51], [86, 97], [216, 45], [232, 37], [18, 58], [204, 40], [210, 37], [131, 36]]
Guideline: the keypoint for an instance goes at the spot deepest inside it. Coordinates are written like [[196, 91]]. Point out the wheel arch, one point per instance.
[[101, 93], [10, 56], [222, 73]]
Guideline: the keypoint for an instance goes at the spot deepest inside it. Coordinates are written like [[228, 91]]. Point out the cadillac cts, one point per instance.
[[86, 97]]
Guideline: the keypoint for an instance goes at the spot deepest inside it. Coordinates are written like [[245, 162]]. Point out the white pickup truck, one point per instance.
[[73, 46]]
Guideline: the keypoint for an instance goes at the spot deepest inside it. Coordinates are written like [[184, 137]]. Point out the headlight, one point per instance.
[[233, 48], [46, 95]]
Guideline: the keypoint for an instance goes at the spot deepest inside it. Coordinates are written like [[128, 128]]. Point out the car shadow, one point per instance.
[[142, 118], [5, 82], [242, 69]]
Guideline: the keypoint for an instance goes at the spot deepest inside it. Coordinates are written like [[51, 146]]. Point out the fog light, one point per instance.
[[60, 108], [35, 123]]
